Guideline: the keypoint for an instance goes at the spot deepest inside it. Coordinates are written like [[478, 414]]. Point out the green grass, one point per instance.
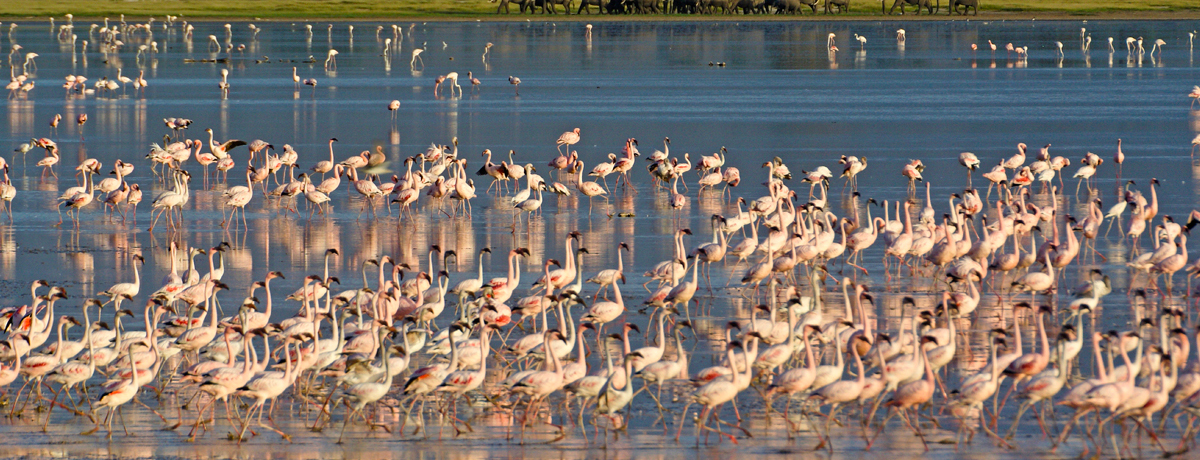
[[481, 9]]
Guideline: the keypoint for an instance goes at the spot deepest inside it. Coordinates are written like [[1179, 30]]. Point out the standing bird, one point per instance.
[[127, 289], [49, 161], [453, 78], [969, 161], [1119, 158], [589, 189], [486, 48], [1060, 51], [224, 84], [29, 60], [900, 36], [416, 56], [1014, 162], [474, 81], [140, 83], [117, 396], [1195, 95], [437, 84], [7, 193], [516, 82], [862, 41], [568, 138], [393, 107], [1086, 172], [361, 394], [331, 60], [1158, 46], [840, 392]]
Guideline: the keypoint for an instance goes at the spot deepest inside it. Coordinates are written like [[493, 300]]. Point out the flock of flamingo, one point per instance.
[[354, 355]]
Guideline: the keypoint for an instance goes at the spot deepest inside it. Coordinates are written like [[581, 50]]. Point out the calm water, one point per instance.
[[779, 94]]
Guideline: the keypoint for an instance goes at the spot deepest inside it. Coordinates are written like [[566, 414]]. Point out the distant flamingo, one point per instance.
[[474, 81], [331, 60], [416, 56], [393, 107]]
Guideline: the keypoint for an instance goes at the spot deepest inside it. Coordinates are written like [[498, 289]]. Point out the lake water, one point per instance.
[[761, 90]]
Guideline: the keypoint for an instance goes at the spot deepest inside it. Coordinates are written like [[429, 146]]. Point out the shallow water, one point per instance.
[[779, 94]]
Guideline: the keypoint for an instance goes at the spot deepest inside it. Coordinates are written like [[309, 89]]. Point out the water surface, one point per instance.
[[759, 89]]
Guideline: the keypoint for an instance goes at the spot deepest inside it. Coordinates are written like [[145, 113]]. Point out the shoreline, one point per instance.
[[324, 16]]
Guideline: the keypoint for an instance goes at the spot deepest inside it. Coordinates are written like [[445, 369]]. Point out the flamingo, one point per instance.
[[116, 397], [458, 383], [1035, 282], [840, 392], [47, 164], [1169, 265], [541, 384], [127, 289], [268, 385], [221, 150], [915, 393], [589, 189], [516, 82], [608, 277], [416, 56], [602, 313], [1044, 387], [325, 166], [224, 84], [1158, 46], [361, 394], [716, 393], [971, 162], [568, 139], [331, 60]]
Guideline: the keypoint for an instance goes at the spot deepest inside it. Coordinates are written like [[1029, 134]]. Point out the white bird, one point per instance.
[[516, 82], [331, 60], [361, 394], [416, 56], [127, 289], [1158, 46], [29, 60], [117, 396], [393, 107]]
